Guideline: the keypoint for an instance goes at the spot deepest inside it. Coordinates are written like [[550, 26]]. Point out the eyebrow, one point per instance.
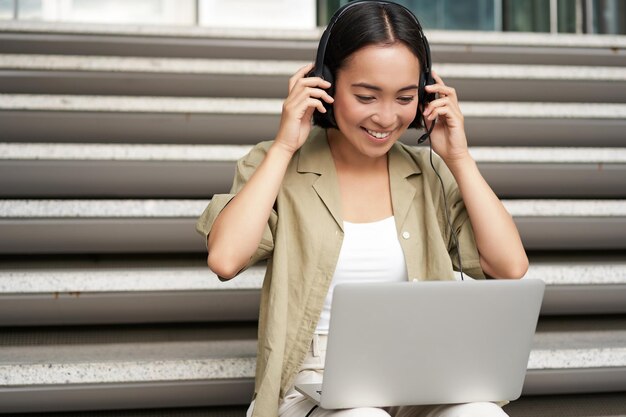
[[376, 88]]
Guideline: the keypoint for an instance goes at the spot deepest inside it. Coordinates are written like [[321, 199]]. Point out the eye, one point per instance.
[[406, 99], [364, 99]]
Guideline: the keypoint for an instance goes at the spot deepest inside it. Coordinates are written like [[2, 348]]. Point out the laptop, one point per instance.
[[428, 342]]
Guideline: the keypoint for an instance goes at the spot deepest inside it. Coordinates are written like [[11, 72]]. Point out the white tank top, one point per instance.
[[370, 252]]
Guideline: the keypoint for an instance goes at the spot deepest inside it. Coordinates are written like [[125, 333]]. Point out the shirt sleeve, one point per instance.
[[246, 166], [470, 258], [461, 224]]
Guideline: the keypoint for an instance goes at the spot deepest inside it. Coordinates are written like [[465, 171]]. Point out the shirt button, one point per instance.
[[406, 235]]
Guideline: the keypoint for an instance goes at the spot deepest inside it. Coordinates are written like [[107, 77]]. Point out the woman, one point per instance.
[[346, 200]]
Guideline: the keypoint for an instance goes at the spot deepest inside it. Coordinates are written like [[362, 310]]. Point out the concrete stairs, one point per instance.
[[114, 138]]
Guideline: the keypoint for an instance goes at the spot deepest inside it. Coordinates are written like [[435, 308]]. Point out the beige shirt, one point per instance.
[[303, 238]]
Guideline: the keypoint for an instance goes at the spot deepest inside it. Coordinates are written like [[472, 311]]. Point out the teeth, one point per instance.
[[378, 135]]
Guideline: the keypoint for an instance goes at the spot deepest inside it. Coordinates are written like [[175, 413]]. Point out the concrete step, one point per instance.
[[89, 75], [172, 41], [109, 290], [156, 41], [569, 224], [100, 226], [531, 83], [36, 170], [65, 118], [532, 172], [113, 290], [599, 340], [119, 367], [219, 411], [101, 75], [525, 48], [116, 170], [580, 283], [136, 226], [578, 405], [195, 365]]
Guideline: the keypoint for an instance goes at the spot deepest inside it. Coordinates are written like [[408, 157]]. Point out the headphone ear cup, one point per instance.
[[428, 97], [421, 90], [424, 97]]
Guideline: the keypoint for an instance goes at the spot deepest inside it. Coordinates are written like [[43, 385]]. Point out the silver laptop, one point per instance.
[[434, 342]]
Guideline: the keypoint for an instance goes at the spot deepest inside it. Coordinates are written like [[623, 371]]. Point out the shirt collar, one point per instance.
[[315, 157]]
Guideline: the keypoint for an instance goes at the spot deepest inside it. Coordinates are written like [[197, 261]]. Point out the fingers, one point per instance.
[[440, 87], [436, 104], [306, 94], [437, 78], [309, 82], [300, 78], [310, 87], [446, 105], [444, 112], [318, 93], [301, 73]]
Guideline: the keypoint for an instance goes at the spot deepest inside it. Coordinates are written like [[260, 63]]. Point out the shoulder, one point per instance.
[[255, 155], [248, 163]]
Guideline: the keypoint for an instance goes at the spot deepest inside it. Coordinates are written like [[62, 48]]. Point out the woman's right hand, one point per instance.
[[305, 96]]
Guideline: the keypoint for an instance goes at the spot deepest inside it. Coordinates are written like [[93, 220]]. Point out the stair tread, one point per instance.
[[434, 36], [579, 405], [45, 280], [119, 64], [188, 357], [136, 279], [104, 170], [267, 106], [246, 67], [185, 208], [231, 153], [136, 152]]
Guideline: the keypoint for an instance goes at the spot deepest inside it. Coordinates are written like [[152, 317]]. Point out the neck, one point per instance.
[[347, 156]]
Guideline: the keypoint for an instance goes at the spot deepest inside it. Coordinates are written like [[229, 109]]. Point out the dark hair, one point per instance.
[[371, 23]]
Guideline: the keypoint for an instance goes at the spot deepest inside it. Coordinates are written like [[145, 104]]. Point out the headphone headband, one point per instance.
[[321, 50]]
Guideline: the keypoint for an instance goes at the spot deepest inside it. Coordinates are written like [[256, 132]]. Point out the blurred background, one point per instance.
[[552, 16]]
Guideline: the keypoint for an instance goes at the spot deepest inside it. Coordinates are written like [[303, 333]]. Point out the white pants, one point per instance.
[[312, 372]]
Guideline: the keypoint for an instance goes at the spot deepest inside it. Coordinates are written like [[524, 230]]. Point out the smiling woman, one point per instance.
[[346, 201], [374, 111]]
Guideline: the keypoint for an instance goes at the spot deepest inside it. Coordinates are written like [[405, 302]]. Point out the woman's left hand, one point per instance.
[[448, 136]]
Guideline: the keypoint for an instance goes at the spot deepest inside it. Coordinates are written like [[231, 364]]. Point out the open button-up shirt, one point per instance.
[[303, 238]]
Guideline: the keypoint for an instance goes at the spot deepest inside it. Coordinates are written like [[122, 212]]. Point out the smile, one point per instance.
[[378, 135]]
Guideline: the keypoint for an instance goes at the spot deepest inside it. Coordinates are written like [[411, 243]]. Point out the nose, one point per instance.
[[385, 116]]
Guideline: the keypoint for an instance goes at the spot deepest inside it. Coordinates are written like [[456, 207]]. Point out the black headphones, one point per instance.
[[321, 70]]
